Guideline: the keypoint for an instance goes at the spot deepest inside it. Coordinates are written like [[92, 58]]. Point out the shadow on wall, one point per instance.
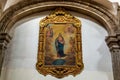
[[105, 63]]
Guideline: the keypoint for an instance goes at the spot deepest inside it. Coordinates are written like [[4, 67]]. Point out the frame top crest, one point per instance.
[[60, 15]]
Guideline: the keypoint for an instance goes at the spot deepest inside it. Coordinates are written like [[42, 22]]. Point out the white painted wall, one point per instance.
[[115, 1], [21, 54]]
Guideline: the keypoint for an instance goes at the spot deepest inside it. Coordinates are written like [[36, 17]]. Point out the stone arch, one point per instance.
[[24, 9]]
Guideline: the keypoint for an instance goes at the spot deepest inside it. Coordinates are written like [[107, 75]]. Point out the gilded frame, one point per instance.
[[59, 17]]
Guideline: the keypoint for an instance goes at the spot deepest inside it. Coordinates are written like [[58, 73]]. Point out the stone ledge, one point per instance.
[[4, 39]]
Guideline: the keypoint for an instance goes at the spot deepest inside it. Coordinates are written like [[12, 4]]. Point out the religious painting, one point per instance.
[[60, 45]]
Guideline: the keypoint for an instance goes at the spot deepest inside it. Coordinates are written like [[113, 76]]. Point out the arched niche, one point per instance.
[[92, 33]]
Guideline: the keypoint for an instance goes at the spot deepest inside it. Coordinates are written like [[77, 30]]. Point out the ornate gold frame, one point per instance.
[[60, 16]]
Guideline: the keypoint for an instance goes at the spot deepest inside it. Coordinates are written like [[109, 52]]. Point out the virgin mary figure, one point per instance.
[[59, 43]]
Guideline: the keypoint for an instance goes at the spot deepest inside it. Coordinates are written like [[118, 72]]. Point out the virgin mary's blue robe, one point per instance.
[[59, 48]]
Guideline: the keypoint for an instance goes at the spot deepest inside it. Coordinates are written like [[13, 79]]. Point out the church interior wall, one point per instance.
[[21, 55]]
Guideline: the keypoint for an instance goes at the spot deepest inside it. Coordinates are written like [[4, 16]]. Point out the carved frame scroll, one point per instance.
[[59, 26]]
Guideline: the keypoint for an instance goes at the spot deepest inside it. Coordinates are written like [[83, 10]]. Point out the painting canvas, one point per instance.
[[60, 44]]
